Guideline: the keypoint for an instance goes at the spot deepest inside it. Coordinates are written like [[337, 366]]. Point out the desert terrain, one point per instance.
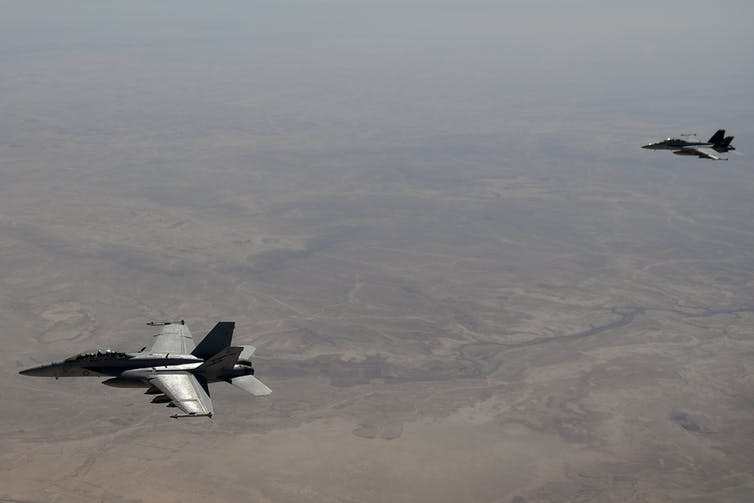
[[463, 285]]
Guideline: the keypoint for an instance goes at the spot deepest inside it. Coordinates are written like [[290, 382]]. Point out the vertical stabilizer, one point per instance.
[[717, 138], [221, 362], [216, 340]]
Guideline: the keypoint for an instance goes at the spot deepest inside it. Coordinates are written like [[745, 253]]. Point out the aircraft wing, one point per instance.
[[706, 152], [173, 338], [185, 391]]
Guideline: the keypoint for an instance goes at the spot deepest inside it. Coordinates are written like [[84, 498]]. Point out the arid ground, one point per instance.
[[463, 285]]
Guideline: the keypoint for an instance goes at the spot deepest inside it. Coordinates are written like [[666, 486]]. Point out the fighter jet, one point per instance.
[[689, 144], [174, 369]]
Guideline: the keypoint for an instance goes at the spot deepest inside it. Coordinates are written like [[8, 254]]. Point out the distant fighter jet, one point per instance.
[[691, 145], [175, 369]]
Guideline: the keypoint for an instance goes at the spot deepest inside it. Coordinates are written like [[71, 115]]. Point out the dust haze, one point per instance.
[[464, 278]]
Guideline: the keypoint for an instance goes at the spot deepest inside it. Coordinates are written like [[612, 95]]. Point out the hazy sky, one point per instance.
[[626, 57]]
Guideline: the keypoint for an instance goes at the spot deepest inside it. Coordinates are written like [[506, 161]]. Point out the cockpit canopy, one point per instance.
[[98, 355]]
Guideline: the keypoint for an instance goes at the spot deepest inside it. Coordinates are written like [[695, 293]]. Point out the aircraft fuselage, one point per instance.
[[674, 144], [138, 367]]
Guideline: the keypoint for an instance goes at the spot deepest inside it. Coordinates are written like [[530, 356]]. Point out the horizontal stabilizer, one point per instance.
[[247, 353], [251, 384]]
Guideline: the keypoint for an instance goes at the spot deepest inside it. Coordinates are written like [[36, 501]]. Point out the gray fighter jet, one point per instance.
[[174, 369], [689, 144]]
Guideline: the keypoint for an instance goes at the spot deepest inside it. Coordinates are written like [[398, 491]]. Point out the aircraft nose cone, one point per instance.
[[42, 370], [648, 145]]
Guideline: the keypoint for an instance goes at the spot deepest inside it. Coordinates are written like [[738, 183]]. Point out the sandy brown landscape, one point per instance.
[[460, 289]]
